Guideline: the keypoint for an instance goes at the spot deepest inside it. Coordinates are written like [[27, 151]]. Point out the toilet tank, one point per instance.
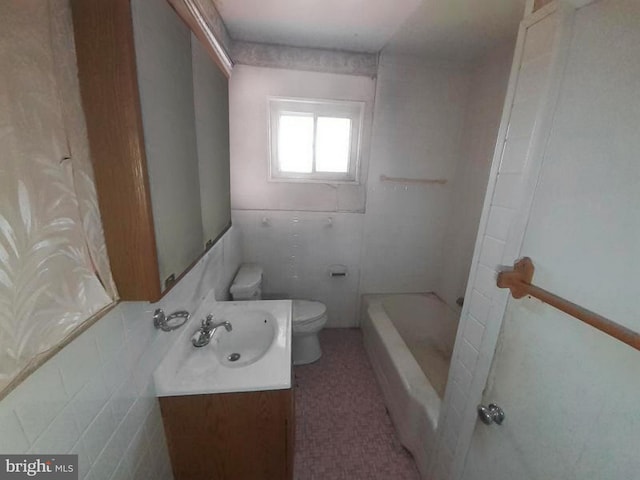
[[247, 284]]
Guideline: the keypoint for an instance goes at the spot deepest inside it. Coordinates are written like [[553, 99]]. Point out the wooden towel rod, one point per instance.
[[439, 181], [519, 282]]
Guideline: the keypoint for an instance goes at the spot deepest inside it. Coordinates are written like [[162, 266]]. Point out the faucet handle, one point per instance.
[[208, 322]]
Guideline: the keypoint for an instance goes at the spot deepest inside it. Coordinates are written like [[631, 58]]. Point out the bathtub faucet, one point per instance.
[[207, 329]]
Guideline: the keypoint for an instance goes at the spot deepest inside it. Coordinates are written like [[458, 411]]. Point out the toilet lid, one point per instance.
[[306, 311], [247, 279]]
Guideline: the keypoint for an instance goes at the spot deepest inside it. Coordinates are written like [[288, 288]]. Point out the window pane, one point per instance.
[[333, 140], [295, 143]]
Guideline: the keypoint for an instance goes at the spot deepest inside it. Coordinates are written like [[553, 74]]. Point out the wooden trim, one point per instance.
[[519, 282], [105, 49], [185, 14], [423, 181]]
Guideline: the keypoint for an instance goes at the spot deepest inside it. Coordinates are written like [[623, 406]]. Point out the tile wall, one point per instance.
[[489, 80], [296, 250], [485, 304], [96, 397], [418, 124], [392, 247]]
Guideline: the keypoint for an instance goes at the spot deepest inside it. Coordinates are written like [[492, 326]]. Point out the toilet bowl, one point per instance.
[[307, 320], [308, 317]]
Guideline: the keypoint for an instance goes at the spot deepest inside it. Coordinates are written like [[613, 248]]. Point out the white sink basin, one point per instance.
[[261, 335], [252, 335]]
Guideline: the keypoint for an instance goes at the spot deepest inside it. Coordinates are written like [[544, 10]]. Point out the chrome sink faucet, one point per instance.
[[207, 329]]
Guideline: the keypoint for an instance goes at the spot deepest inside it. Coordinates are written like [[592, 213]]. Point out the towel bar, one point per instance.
[[519, 282], [439, 181]]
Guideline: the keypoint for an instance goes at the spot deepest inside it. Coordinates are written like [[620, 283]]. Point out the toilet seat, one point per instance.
[[308, 316]]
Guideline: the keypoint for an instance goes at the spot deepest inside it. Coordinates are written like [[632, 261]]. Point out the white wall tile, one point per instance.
[[499, 222], [42, 397], [122, 472], [523, 117], [144, 467], [135, 450], [487, 302], [60, 436], [458, 398], [514, 157], [540, 39], [473, 332], [296, 250], [89, 401], [532, 79], [124, 397], [485, 281], [443, 465], [451, 436], [508, 190], [479, 306], [13, 438], [111, 454], [109, 336], [468, 355], [113, 368], [78, 362], [98, 433], [84, 464], [491, 252], [468, 185], [462, 376], [95, 397]]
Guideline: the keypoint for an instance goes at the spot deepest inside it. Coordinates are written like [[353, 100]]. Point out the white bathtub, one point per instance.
[[409, 340]]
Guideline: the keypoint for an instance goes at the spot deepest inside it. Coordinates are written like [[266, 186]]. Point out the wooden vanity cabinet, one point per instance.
[[231, 436]]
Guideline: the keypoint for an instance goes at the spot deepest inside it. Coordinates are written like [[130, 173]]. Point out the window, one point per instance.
[[314, 140]]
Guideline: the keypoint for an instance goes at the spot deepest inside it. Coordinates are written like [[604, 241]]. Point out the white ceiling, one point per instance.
[[452, 29], [458, 29], [356, 25]]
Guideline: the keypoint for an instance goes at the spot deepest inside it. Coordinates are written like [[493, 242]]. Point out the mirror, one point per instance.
[[155, 97], [211, 94], [185, 116]]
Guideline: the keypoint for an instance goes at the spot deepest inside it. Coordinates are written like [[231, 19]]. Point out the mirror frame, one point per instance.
[[105, 40]]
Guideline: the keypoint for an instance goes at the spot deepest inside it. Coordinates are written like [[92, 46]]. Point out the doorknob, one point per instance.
[[490, 414]]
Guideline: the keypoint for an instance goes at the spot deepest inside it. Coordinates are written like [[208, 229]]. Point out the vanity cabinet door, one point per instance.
[[230, 436]]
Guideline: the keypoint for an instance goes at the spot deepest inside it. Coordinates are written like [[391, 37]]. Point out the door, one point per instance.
[[571, 394]]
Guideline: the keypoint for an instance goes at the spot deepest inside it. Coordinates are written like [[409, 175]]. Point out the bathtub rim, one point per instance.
[[413, 404], [411, 374]]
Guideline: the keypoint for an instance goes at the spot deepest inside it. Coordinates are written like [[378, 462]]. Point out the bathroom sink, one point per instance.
[[254, 355], [252, 334]]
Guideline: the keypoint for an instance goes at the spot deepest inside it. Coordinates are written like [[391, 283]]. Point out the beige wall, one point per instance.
[[249, 89]]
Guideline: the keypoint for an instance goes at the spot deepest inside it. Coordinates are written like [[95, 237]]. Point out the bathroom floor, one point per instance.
[[342, 428]]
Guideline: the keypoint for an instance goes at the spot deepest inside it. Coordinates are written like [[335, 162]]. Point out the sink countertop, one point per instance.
[[187, 370]]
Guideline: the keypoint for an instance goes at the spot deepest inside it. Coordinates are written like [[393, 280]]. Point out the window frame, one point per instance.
[[353, 110]]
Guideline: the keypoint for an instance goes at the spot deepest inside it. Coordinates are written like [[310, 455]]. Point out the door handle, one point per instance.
[[491, 414]]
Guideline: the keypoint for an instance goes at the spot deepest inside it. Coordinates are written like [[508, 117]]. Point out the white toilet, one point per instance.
[[308, 317]]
